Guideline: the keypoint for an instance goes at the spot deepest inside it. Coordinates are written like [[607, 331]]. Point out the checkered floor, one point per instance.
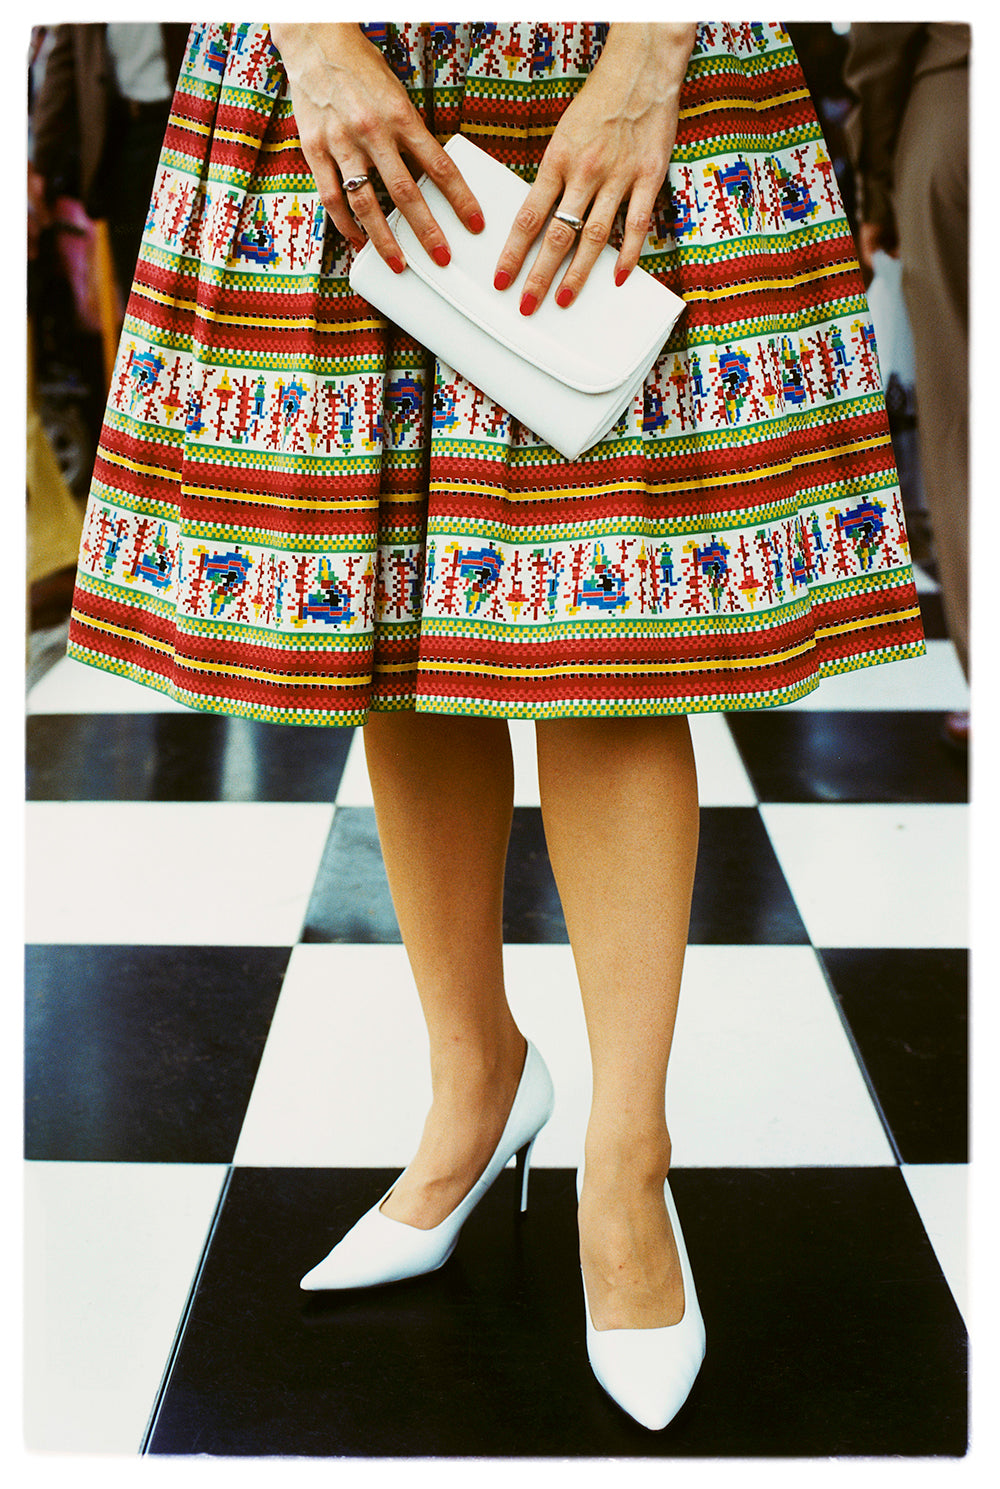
[[226, 1064]]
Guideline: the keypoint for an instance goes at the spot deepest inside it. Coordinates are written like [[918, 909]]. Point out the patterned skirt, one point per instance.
[[298, 514]]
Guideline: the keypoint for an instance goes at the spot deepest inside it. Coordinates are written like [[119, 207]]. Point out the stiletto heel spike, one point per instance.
[[523, 1170], [379, 1249]]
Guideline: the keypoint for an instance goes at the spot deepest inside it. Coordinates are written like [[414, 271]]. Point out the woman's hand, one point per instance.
[[354, 117], [613, 142]]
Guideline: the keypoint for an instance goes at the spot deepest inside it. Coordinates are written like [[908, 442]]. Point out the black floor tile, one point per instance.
[[180, 757], [932, 615], [831, 1331], [144, 1054], [350, 902], [741, 897], [740, 892], [908, 1013], [807, 756]]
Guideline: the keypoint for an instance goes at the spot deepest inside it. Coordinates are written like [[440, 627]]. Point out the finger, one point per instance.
[[328, 184], [364, 207], [438, 165], [448, 179], [408, 197], [528, 223], [559, 241], [638, 221], [591, 241], [353, 182]]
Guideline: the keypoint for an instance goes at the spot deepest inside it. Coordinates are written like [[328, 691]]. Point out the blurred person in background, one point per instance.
[[909, 139], [99, 118]]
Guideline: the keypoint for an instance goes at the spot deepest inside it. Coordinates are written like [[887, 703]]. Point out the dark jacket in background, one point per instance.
[[77, 109]]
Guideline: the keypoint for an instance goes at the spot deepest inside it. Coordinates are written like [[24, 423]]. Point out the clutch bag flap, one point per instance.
[[566, 373]]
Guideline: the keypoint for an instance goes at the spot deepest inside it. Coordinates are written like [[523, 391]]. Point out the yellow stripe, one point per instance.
[[649, 669], [715, 106], [369, 504], [281, 322], [784, 281], [511, 131], [659, 487], [136, 466], [758, 106], [637, 669], [259, 498], [912, 613], [196, 664]]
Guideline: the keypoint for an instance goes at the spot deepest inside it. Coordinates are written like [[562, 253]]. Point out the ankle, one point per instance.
[[463, 1068], [619, 1158]]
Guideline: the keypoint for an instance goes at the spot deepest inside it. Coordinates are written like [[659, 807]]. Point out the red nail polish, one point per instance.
[[395, 264], [528, 303], [501, 279], [564, 297], [477, 222], [441, 256], [621, 276]]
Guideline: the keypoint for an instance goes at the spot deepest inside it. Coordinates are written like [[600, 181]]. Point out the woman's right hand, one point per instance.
[[354, 117]]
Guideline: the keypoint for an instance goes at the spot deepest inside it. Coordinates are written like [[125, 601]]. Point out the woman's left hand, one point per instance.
[[613, 143]]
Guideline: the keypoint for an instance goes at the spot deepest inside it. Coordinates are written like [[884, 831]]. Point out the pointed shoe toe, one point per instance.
[[379, 1249], [650, 1372]]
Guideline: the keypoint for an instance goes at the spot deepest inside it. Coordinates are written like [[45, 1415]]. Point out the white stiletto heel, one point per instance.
[[378, 1249], [650, 1372]]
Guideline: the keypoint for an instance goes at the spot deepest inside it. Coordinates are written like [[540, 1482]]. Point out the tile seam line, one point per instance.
[[185, 1316]]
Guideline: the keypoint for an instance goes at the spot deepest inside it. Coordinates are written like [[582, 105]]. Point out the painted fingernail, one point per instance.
[[441, 256], [395, 264], [501, 279], [621, 276], [564, 297], [528, 303], [477, 222]]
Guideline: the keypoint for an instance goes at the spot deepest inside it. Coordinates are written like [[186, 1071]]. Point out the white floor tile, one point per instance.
[[343, 1081], [884, 875], [761, 1072], [522, 740], [934, 681], [201, 873], [722, 777], [355, 789], [112, 1253], [73, 687], [940, 1193]]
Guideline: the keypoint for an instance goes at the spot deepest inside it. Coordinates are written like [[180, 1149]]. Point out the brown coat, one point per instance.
[[75, 106], [884, 60]]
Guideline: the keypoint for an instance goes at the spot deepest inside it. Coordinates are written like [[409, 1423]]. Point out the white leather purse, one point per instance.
[[567, 374]]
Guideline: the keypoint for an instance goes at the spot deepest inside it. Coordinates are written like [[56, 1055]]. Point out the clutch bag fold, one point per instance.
[[566, 374]]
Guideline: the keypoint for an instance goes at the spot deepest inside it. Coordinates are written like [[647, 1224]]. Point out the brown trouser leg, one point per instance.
[[932, 215]]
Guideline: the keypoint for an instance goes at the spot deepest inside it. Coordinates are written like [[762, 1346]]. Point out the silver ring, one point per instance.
[[355, 183], [576, 223]]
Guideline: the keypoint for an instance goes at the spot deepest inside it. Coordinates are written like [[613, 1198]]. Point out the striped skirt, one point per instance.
[[298, 514]]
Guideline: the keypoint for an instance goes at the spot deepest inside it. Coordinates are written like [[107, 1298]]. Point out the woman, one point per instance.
[[298, 515]]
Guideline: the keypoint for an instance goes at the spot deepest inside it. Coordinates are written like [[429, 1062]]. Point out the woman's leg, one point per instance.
[[443, 788], [620, 806]]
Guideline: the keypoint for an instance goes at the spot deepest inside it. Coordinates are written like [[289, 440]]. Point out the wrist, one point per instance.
[[668, 44]]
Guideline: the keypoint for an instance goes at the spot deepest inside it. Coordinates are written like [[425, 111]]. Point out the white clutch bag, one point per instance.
[[566, 374]]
